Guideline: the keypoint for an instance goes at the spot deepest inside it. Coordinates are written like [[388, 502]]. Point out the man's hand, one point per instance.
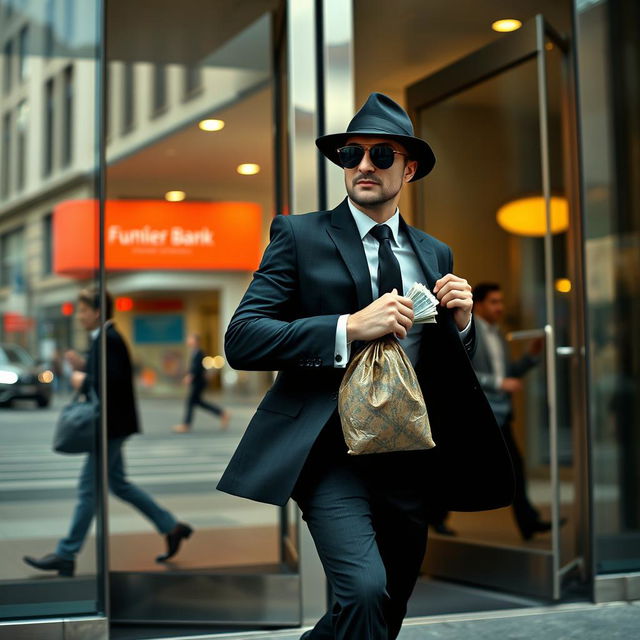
[[390, 313], [75, 359], [511, 385], [77, 379], [187, 379], [455, 293]]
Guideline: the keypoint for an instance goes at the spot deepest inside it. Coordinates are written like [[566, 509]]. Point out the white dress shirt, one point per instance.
[[94, 332], [495, 347], [411, 272]]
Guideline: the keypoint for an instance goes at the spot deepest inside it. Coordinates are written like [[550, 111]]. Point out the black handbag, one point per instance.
[[77, 424]]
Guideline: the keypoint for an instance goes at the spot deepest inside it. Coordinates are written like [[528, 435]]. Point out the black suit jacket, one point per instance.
[[196, 368], [314, 270], [122, 416]]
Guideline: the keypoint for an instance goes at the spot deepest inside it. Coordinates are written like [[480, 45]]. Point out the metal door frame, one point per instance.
[[543, 567]]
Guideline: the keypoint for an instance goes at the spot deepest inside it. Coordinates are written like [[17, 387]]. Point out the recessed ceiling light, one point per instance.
[[211, 125], [508, 24], [175, 196], [248, 169]]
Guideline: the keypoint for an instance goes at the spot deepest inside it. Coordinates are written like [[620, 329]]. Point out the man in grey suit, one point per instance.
[[500, 377]]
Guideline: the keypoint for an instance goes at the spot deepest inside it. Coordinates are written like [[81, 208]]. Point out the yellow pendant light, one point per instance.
[[528, 217]]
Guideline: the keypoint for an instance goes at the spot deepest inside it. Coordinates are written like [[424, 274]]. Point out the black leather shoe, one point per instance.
[[174, 539], [539, 526], [52, 562], [443, 530]]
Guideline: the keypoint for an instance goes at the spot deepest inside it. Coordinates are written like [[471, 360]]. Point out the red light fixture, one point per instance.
[[67, 308], [124, 304]]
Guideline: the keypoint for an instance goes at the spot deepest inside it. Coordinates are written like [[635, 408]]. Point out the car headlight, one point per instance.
[[8, 377], [46, 376]]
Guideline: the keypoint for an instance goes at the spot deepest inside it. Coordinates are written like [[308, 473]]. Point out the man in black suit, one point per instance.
[[329, 282], [122, 422], [196, 381]]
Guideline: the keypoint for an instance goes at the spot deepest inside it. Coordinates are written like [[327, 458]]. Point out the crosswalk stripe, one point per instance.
[[146, 480], [75, 461], [65, 473]]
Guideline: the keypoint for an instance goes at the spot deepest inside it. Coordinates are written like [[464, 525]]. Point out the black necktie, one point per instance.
[[389, 275]]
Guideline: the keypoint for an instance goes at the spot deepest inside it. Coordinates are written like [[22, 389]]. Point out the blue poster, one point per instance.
[[158, 329]]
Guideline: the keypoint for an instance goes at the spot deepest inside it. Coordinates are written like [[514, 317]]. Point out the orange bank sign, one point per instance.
[[154, 234]]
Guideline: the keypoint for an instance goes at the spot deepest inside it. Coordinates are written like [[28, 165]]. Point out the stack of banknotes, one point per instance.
[[424, 304]]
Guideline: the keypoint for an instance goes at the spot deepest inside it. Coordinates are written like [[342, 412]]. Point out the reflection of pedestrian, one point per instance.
[[67, 372], [197, 381], [328, 282], [499, 377], [122, 421], [56, 366]]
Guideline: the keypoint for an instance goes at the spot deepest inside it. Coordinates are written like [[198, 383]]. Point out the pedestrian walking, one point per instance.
[[329, 283], [196, 382], [122, 422]]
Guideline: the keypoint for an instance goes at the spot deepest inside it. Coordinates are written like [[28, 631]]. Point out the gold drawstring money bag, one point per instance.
[[380, 402]]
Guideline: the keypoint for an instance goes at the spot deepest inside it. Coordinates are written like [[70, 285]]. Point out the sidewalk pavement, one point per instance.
[[612, 621]]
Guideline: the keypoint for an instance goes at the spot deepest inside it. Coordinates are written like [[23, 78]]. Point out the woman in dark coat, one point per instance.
[[122, 421]]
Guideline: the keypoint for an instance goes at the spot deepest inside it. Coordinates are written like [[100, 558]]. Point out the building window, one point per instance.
[[108, 74], [5, 179], [22, 117], [12, 259], [67, 137], [128, 106], [49, 29], [23, 54], [7, 75], [47, 244], [192, 80], [69, 21], [159, 88], [49, 103]]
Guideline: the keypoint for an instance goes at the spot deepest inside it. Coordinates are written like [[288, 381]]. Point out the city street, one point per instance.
[[38, 486]]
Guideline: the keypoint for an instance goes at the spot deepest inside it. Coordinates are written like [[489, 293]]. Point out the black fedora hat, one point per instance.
[[382, 117]]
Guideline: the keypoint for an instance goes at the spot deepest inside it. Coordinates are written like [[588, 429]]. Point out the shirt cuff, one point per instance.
[[342, 349], [465, 332]]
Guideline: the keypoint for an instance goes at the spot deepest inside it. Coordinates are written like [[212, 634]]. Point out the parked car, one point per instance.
[[21, 377]]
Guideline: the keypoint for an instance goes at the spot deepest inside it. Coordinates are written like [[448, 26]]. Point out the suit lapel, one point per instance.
[[424, 252], [344, 233], [429, 263]]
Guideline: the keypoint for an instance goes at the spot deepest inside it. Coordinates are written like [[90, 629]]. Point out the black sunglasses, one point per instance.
[[382, 155]]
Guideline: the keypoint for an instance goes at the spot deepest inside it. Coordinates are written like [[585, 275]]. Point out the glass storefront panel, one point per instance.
[[190, 194], [608, 69], [49, 156]]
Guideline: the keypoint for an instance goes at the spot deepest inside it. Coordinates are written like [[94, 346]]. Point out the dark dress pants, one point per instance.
[[368, 520], [526, 515], [194, 399]]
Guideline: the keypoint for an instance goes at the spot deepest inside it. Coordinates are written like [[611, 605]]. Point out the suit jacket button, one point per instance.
[[338, 357]]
